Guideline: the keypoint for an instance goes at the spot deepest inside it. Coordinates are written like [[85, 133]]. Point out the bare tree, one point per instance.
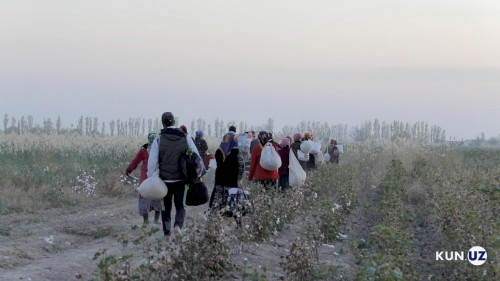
[[5, 122]]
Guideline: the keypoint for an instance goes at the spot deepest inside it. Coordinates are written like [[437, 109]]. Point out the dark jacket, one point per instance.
[[230, 169], [285, 160], [173, 143], [202, 146]]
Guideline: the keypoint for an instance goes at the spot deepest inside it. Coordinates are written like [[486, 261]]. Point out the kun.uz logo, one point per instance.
[[477, 255]]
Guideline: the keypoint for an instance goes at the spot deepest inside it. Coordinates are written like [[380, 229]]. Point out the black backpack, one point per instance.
[[191, 166]]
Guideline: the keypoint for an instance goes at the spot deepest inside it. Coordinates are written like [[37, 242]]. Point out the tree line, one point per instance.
[[377, 131]]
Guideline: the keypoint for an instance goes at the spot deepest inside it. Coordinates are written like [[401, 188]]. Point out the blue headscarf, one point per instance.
[[199, 133], [229, 141]]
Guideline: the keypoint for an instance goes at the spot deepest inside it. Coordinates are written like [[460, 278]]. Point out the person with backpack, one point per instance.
[[266, 178], [333, 151], [166, 151], [228, 174], [145, 205]]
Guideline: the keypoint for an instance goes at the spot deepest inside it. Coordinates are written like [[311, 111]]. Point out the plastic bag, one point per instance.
[[153, 188], [306, 146], [296, 176], [270, 159]]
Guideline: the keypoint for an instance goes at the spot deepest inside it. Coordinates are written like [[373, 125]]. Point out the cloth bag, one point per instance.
[[318, 158], [306, 146], [302, 156], [269, 158], [296, 176], [316, 149], [153, 187], [326, 157], [197, 194]]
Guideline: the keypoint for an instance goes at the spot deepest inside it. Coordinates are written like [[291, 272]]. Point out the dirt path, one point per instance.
[[59, 244]]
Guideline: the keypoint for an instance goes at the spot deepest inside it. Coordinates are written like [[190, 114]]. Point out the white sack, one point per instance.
[[326, 157], [306, 146], [302, 156], [340, 147], [269, 158], [153, 188], [318, 159], [316, 148], [296, 176]]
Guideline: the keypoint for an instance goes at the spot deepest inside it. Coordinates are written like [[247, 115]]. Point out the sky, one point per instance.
[[344, 61]]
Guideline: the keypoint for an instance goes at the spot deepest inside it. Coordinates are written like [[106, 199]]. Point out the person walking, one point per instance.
[[333, 151], [311, 164], [228, 175], [295, 146], [202, 146], [164, 156], [283, 171], [264, 177], [145, 205]]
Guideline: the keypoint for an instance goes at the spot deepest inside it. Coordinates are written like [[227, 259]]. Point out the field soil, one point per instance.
[[59, 244]]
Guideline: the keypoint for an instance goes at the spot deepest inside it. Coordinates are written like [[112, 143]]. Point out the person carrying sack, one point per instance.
[[164, 156], [145, 205], [264, 177], [333, 151]]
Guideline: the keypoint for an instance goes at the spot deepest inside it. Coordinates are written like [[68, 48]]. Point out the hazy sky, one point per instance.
[[342, 61]]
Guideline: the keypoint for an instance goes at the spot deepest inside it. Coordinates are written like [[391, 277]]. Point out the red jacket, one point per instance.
[[141, 156], [259, 172]]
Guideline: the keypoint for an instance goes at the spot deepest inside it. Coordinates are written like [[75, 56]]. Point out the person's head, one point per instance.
[[285, 142], [263, 137], [167, 119], [152, 136], [249, 135], [290, 138], [232, 129], [333, 141], [307, 136], [199, 133], [229, 141], [297, 137], [184, 129]]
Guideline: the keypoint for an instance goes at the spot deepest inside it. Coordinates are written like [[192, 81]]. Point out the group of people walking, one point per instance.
[[162, 152]]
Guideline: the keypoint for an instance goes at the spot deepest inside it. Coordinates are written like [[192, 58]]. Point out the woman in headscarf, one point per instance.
[[285, 160], [311, 164], [145, 205], [228, 174], [264, 177]]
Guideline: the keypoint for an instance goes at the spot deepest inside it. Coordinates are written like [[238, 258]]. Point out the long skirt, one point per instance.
[[229, 201], [148, 205]]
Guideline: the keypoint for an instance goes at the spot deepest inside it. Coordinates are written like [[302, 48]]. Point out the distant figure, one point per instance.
[[311, 164], [185, 130], [264, 177], [285, 160], [202, 146], [145, 205], [164, 156], [295, 146], [333, 151], [254, 143]]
